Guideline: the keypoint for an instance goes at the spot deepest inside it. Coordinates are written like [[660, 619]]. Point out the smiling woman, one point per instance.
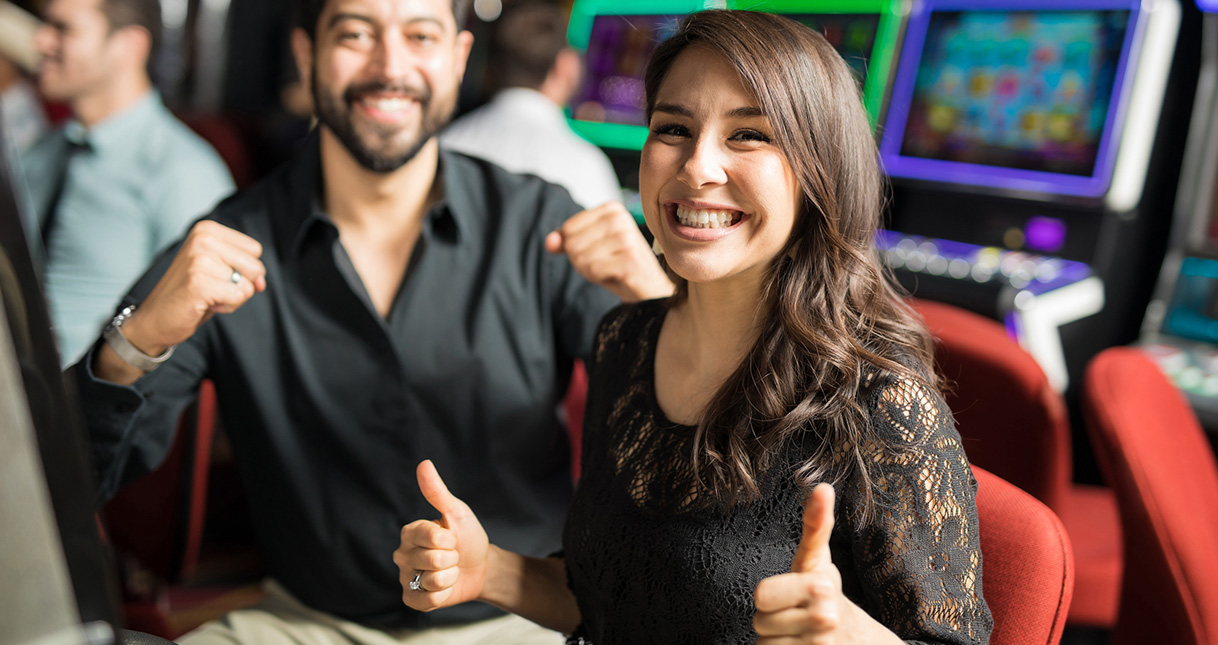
[[766, 453]]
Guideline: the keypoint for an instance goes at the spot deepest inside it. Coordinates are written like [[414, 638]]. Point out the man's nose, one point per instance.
[[393, 57]]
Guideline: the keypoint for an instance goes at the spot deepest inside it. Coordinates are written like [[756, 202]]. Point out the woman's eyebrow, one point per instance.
[[745, 112], [680, 110], [672, 108]]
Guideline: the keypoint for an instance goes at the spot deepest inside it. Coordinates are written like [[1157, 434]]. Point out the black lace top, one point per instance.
[[649, 563]]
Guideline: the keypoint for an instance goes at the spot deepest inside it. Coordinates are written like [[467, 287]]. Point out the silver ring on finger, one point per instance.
[[416, 583], [235, 278]]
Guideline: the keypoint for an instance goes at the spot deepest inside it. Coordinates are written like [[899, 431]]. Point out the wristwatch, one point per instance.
[[131, 354]]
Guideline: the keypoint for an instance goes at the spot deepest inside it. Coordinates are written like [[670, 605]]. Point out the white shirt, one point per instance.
[[525, 132]]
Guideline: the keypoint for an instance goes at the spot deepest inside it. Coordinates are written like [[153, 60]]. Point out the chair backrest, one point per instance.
[[226, 137], [573, 403], [1154, 454], [1011, 421], [1027, 567], [159, 519]]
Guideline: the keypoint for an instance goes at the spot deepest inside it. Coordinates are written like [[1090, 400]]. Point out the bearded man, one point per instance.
[[375, 302]]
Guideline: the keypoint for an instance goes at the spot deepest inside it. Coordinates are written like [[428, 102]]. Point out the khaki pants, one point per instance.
[[280, 619]]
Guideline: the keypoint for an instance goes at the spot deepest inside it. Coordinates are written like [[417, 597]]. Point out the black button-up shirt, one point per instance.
[[329, 406]]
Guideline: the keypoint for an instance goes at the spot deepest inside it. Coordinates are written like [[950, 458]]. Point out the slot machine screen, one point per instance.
[[1028, 99], [618, 39], [609, 109], [1192, 308], [853, 35], [865, 32]]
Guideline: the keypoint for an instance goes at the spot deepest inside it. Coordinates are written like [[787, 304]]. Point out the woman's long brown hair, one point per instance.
[[830, 313]]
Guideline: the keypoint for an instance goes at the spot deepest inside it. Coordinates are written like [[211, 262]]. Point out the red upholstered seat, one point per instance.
[[156, 526], [1027, 564], [1153, 451], [226, 137], [573, 403], [1015, 425]]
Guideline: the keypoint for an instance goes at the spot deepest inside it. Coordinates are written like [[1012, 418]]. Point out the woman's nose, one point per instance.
[[704, 166]]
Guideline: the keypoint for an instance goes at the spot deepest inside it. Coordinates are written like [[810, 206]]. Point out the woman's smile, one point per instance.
[[703, 223]]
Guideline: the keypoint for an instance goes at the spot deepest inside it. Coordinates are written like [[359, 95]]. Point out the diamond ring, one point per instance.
[[416, 583]]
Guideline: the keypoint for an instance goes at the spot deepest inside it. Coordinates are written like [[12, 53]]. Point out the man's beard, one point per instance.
[[339, 119]]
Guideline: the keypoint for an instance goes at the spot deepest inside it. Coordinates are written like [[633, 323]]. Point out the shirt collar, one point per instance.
[[115, 134], [451, 217]]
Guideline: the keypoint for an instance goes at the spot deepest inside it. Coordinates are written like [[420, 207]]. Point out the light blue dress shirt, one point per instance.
[[142, 179]]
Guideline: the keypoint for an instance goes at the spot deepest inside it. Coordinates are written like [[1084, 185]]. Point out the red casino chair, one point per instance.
[[1015, 425], [1153, 451], [573, 404], [226, 137], [156, 528], [1027, 564]]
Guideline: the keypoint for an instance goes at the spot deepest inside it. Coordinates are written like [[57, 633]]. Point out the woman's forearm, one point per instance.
[[533, 588]]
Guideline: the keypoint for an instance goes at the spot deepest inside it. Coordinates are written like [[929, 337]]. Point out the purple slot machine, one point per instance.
[[1180, 331], [1024, 144]]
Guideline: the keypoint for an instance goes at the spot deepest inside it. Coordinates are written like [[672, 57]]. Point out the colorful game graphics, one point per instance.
[[618, 37], [1025, 95], [865, 32]]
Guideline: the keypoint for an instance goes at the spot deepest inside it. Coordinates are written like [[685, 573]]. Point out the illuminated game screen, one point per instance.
[[619, 48], [1023, 99], [618, 38], [1193, 309], [852, 35]]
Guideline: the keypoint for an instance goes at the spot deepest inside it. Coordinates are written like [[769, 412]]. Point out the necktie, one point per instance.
[[73, 149]]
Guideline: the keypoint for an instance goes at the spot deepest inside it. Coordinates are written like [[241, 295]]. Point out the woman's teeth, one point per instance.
[[698, 218]]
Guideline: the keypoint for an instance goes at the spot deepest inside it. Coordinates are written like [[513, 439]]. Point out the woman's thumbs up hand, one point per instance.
[[806, 605], [441, 562]]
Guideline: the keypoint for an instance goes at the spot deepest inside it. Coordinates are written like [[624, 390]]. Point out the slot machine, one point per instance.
[[1180, 331], [1019, 138], [57, 574], [617, 38]]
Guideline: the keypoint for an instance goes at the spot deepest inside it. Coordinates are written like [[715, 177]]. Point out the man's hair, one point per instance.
[[136, 13], [308, 12], [525, 43]]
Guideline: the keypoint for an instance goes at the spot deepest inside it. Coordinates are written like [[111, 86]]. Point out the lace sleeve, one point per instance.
[[921, 548]]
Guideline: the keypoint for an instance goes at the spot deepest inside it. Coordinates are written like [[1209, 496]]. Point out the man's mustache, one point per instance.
[[356, 92]]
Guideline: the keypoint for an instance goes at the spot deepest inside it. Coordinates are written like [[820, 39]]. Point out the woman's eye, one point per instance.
[[670, 130], [751, 135]]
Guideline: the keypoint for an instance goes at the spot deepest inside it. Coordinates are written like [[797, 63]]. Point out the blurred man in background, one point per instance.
[[523, 128], [123, 178]]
